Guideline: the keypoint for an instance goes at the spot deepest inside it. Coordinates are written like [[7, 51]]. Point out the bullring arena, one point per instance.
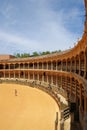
[[28, 108], [45, 92]]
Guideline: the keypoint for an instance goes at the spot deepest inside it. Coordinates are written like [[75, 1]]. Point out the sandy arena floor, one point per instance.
[[31, 109]]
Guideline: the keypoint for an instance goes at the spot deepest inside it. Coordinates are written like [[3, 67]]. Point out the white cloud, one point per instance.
[[52, 37], [38, 26], [17, 40]]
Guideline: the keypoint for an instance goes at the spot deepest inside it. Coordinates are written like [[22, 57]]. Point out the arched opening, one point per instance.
[[45, 65], [1, 66], [26, 65], [73, 64], [1, 74], [68, 64], [30, 65], [21, 74], [82, 63], [54, 65], [16, 66], [35, 65], [21, 66], [59, 65], [64, 65], [49, 65], [40, 65], [77, 64], [85, 63], [6, 66], [11, 66]]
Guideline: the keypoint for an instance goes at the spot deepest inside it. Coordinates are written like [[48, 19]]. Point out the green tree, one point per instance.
[[25, 55], [45, 53], [17, 55], [35, 53]]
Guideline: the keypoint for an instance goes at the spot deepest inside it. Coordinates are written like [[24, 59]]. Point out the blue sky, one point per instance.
[[40, 25]]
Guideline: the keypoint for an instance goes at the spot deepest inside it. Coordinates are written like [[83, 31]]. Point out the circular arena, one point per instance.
[[26, 108]]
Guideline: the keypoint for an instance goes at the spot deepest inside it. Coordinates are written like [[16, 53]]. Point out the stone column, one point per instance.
[[80, 107], [4, 70], [38, 77], [37, 65], [51, 65], [75, 91], [85, 65], [23, 65], [28, 75], [70, 88], [79, 65], [52, 79], [66, 65], [56, 81], [75, 66], [43, 77], [14, 65], [19, 74], [47, 65], [9, 70], [56, 65], [24, 74], [28, 65], [61, 65], [42, 66], [47, 78], [71, 66], [9, 66], [14, 74], [33, 65], [80, 95], [19, 66], [33, 76]]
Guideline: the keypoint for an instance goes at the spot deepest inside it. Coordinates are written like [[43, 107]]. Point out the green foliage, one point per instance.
[[23, 55], [35, 53], [17, 55], [57, 51], [45, 53]]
